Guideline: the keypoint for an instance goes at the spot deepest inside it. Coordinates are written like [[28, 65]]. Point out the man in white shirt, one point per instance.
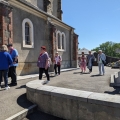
[[101, 62], [57, 63]]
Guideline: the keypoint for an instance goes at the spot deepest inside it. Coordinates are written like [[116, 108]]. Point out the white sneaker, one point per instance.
[[6, 88], [0, 88], [45, 82]]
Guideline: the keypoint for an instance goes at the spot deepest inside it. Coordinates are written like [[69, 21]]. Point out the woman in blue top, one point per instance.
[[5, 62]]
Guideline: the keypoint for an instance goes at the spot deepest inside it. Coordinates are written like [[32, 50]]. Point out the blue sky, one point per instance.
[[95, 21]]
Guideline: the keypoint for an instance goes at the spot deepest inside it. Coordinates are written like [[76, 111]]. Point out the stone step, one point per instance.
[[38, 115], [23, 113]]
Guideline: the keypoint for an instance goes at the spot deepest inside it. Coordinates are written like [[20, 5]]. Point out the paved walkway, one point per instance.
[[14, 100], [87, 82]]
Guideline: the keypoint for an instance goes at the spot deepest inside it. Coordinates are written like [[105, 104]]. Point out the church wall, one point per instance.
[[38, 3], [42, 36], [55, 7], [28, 56], [66, 55]]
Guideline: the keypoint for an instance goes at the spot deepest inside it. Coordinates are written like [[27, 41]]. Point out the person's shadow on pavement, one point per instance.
[[76, 72], [116, 91], [98, 75], [23, 86]]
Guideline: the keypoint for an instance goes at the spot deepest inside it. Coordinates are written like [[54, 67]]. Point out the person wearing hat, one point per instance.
[[57, 63], [43, 65], [5, 62], [101, 62], [12, 70]]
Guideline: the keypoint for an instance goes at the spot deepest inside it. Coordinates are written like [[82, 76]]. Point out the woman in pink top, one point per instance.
[[83, 63], [57, 63], [43, 64]]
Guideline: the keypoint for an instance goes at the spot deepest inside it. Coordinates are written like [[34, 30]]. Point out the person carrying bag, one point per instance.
[[57, 63]]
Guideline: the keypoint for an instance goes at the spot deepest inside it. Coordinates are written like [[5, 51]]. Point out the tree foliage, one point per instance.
[[109, 48]]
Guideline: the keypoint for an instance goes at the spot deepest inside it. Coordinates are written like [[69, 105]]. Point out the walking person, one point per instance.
[[101, 62], [90, 60], [83, 63], [5, 62], [12, 69], [79, 61], [57, 63], [43, 64]]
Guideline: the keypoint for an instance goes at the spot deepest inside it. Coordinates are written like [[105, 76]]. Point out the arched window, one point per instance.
[[58, 38], [28, 33], [63, 46], [59, 45], [63, 41]]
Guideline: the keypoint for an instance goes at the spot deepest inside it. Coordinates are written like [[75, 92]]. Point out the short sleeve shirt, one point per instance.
[[13, 54], [42, 59]]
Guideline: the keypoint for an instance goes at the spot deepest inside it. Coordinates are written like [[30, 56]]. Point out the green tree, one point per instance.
[[109, 48]]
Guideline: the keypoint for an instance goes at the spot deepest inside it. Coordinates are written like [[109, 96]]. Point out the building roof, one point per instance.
[[86, 51]]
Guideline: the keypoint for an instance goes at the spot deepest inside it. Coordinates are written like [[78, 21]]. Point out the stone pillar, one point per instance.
[[6, 30], [52, 46], [71, 47], [75, 50]]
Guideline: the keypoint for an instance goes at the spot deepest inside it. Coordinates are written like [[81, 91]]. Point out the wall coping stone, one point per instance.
[[115, 79], [86, 96]]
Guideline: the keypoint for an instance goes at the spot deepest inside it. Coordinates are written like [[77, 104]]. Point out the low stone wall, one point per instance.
[[115, 79], [73, 104]]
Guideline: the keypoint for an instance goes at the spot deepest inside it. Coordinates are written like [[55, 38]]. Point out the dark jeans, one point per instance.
[[4, 73], [90, 69], [55, 68], [41, 70], [13, 75]]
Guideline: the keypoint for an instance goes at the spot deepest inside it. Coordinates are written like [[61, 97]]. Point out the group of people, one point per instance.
[[44, 62], [8, 64], [87, 61]]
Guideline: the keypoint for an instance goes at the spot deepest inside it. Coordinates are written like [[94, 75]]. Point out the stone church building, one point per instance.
[[29, 24]]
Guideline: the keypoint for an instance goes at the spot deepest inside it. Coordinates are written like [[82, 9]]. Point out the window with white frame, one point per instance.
[[28, 33], [61, 41]]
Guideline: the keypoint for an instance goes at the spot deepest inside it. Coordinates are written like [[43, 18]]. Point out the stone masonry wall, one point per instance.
[[6, 29]]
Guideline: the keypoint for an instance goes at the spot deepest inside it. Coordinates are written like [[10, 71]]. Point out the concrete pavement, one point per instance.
[[14, 100], [87, 82]]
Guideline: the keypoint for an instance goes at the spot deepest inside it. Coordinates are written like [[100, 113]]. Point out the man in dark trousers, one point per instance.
[[12, 70], [90, 60]]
